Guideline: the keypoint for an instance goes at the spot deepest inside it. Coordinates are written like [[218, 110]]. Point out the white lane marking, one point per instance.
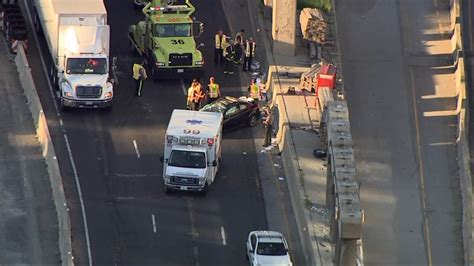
[[224, 242], [153, 222], [183, 87], [79, 192], [136, 149]]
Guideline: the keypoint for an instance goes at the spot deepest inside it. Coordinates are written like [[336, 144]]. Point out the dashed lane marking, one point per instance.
[[224, 242], [136, 148], [153, 222]]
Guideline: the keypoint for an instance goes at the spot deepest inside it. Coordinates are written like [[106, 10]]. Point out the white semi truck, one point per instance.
[[192, 150], [78, 39]]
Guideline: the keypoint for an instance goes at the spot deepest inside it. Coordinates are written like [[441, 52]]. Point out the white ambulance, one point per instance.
[[192, 150]]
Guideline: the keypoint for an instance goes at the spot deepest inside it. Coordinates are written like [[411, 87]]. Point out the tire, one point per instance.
[[166, 189], [62, 107], [253, 120], [131, 46], [154, 73], [204, 191], [54, 77]]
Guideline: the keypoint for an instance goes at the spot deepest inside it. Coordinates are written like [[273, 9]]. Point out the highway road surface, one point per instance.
[[401, 100], [115, 157]]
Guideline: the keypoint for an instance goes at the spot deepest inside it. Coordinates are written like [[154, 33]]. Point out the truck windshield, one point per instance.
[[173, 30], [86, 66], [188, 159]]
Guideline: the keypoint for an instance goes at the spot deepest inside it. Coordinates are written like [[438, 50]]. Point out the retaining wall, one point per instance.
[[44, 138]]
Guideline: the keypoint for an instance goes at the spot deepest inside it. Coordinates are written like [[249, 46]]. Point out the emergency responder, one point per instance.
[[268, 124], [239, 42], [229, 55], [220, 41], [198, 96], [254, 90], [249, 49], [214, 91], [190, 101], [139, 75]]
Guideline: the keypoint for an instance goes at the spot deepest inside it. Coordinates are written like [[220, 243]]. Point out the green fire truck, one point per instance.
[[166, 39]]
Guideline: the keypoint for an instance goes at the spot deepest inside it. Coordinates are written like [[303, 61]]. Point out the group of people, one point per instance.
[[229, 52], [198, 96]]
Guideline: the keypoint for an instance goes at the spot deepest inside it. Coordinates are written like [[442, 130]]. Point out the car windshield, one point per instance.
[[86, 66], [217, 106], [271, 249], [188, 159], [173, 30]]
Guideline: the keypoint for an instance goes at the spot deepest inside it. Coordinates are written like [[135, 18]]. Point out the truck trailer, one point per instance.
[[78, 39], [192, 150]]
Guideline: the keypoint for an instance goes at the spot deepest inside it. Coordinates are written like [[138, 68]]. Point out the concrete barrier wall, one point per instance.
[[42, 133], [462, 145]]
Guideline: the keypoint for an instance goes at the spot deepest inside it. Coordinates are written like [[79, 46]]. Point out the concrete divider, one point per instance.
[[462, 146], [44, 138]]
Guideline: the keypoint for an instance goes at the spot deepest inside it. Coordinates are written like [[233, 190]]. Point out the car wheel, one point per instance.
[[253, 121]]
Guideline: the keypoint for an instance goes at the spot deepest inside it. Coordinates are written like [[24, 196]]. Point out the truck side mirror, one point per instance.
[[162, 158], [214, 163]]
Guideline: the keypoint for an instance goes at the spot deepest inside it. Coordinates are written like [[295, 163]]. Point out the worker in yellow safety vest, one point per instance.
[[220, 41], [254, 90], [139, 75], [214, 91], [249, 49]]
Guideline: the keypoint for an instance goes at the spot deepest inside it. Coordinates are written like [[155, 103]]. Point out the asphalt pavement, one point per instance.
[[401, 102], [130, 220], [28, 221]]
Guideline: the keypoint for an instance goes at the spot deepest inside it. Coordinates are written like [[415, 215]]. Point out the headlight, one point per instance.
[[109, 95], [167, 179], [199, 63], [160, 64], [202, 181], [67, 90]]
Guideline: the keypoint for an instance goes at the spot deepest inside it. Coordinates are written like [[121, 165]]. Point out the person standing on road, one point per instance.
[[139, 75], [239, 41], [249, 49], [198, 96], [214, 91], [229, 55], [268, 124], [254, 90], [189, 99], [220, 41]]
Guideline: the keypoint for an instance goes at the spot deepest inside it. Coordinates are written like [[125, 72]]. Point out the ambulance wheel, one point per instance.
[[204, 191], [154, 73], [253, 121]]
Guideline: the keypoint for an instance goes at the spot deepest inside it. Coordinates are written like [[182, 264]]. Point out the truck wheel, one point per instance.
[[204, 191], [63, 107], [37, 23], [253, 121], [154, 73], [166, 189]]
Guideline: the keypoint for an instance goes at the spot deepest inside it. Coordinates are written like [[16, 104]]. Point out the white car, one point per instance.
[[267, 248]]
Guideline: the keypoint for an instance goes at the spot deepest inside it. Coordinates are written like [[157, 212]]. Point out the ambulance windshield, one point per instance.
[[187, 159]]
